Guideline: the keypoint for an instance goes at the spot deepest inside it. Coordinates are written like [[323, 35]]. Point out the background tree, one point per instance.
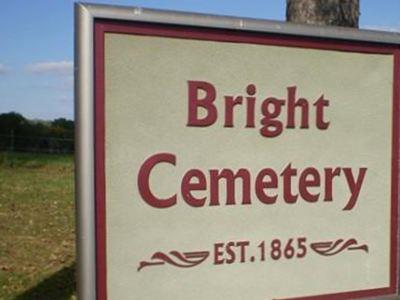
[[324, 12], [18, 133]]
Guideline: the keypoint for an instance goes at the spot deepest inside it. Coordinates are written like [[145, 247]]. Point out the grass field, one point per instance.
[[37, 230]]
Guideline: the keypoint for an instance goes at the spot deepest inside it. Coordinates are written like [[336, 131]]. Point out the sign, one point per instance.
[[235, 162]]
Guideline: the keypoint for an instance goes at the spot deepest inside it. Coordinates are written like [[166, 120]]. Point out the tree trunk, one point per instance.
[[323, 12]]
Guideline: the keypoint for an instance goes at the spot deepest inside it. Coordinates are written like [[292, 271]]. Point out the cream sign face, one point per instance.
[[234, 165]]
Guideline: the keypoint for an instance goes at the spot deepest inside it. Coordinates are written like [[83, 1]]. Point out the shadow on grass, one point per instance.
[[59, 286]]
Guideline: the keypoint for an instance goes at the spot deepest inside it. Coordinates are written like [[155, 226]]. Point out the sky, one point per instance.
[[36, 44]]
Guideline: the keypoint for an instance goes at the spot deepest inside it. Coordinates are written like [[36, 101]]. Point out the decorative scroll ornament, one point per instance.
[[334, 247], [175, 258]]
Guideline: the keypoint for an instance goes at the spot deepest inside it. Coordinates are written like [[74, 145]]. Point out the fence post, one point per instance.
[[12, 140]]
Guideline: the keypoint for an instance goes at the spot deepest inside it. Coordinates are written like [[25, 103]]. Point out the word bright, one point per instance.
[[202, 94]]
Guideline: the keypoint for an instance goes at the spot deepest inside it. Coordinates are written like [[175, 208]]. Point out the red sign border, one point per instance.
[[227, 35]]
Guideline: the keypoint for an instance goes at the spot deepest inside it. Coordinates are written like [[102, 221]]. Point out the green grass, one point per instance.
[[37, 230]]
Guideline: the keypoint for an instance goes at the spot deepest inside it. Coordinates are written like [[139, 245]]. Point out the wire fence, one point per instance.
[[36, 144]]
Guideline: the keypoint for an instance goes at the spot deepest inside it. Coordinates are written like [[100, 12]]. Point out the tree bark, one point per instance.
[[323, 12]]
